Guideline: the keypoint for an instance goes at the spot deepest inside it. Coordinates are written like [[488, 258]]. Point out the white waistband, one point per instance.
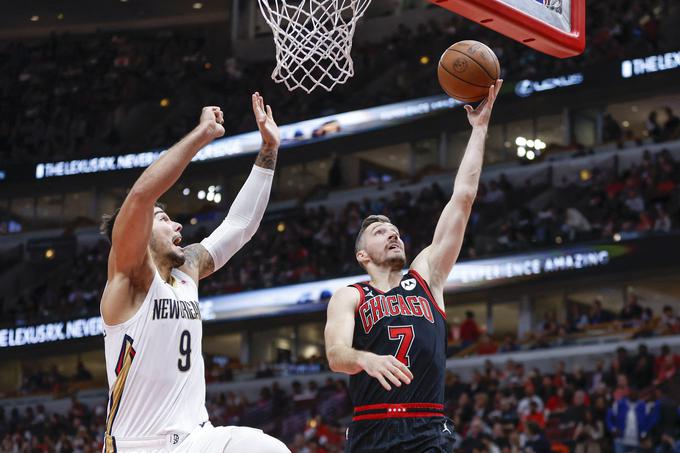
[[167, 440]]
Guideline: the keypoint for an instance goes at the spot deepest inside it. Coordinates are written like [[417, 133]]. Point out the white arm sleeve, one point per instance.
[[243, 218]]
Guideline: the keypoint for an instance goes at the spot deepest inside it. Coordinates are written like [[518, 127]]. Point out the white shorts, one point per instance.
[[206, 439]]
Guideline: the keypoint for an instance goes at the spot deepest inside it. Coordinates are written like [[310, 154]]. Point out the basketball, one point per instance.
[[467, 69]]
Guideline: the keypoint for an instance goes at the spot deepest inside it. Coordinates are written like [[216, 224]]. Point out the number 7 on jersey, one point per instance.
[[405, 335]]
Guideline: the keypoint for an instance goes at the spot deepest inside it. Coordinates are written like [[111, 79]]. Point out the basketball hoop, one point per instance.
[[313, 40]]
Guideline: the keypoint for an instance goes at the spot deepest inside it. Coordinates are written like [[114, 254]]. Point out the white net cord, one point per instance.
[[313, 40]]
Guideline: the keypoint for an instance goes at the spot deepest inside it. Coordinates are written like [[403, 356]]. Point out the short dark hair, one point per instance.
[[368, 221], [106, 227]]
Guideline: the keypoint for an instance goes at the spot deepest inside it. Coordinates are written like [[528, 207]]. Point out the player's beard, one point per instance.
[[170, 254], [396, 262], [176, 259]]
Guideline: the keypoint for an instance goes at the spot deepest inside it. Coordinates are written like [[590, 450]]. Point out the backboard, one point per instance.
[[554, 27]]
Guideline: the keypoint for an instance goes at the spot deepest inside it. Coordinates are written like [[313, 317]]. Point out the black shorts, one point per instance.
[[401, 435]]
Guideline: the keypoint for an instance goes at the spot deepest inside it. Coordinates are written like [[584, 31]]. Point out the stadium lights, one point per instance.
[[212, 194], [197, 5], [35, 18], [424, 60], [529, 149], [186, 191]]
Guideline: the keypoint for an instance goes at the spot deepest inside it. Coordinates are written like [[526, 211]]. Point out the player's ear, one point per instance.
[[362, 257]]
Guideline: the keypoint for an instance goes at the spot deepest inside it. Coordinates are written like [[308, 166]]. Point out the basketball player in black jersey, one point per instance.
[[389, 333]]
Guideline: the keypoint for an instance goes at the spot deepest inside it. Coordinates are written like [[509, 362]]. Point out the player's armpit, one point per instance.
[[339, 331], [199, 263], [124, 293]]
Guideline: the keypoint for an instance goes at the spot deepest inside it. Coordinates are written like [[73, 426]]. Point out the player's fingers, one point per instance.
[[492, 92], [499, 84], [404, 369], [468, 108], [256, 104], [401, 367], [269, 112], [383, 382], [401, 375], [392, 378]]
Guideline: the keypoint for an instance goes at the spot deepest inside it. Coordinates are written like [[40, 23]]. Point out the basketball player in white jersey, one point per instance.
[[152, 322]]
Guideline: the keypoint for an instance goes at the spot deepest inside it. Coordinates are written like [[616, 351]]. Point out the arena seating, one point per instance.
[[515, 399]]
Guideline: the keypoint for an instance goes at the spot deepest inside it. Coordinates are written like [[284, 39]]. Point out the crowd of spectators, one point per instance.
[[581, 324], [317, 243], [630, 404], [53, 381], [74, 96]]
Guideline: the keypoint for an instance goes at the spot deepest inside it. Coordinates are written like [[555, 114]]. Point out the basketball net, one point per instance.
[[313, 40]]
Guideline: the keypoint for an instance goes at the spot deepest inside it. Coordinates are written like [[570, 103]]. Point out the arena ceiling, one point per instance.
[[40, 17]]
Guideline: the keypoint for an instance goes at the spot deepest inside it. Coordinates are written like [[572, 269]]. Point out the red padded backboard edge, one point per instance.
[[515, 24]]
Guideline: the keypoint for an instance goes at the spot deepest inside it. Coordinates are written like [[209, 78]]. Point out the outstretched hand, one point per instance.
[[265, 122], [482, 114]]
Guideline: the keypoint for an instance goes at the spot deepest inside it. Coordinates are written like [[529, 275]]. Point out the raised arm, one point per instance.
[[343, 358], [129, 267], [437, 260], [132, 228], [247, 210]]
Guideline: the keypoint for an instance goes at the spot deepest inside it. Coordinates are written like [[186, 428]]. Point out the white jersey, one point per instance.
[[155, 366]]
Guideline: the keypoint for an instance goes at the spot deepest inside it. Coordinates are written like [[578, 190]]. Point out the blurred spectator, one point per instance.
[[536, 441], [671, 129], [654, 130], [588, 434], [524, 406], [669, 322], [469, 330], [82, 373], [629, 421], [598, 315], [486, 345], [632, 311], [509, 344]]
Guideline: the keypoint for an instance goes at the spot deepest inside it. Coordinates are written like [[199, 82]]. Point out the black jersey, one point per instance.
[[407, 323]]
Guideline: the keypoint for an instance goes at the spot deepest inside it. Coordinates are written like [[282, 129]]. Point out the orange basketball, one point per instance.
[[467, 69]]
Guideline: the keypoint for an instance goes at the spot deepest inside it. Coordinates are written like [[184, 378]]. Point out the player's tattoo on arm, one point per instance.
[[267, 158], [197, 257]]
